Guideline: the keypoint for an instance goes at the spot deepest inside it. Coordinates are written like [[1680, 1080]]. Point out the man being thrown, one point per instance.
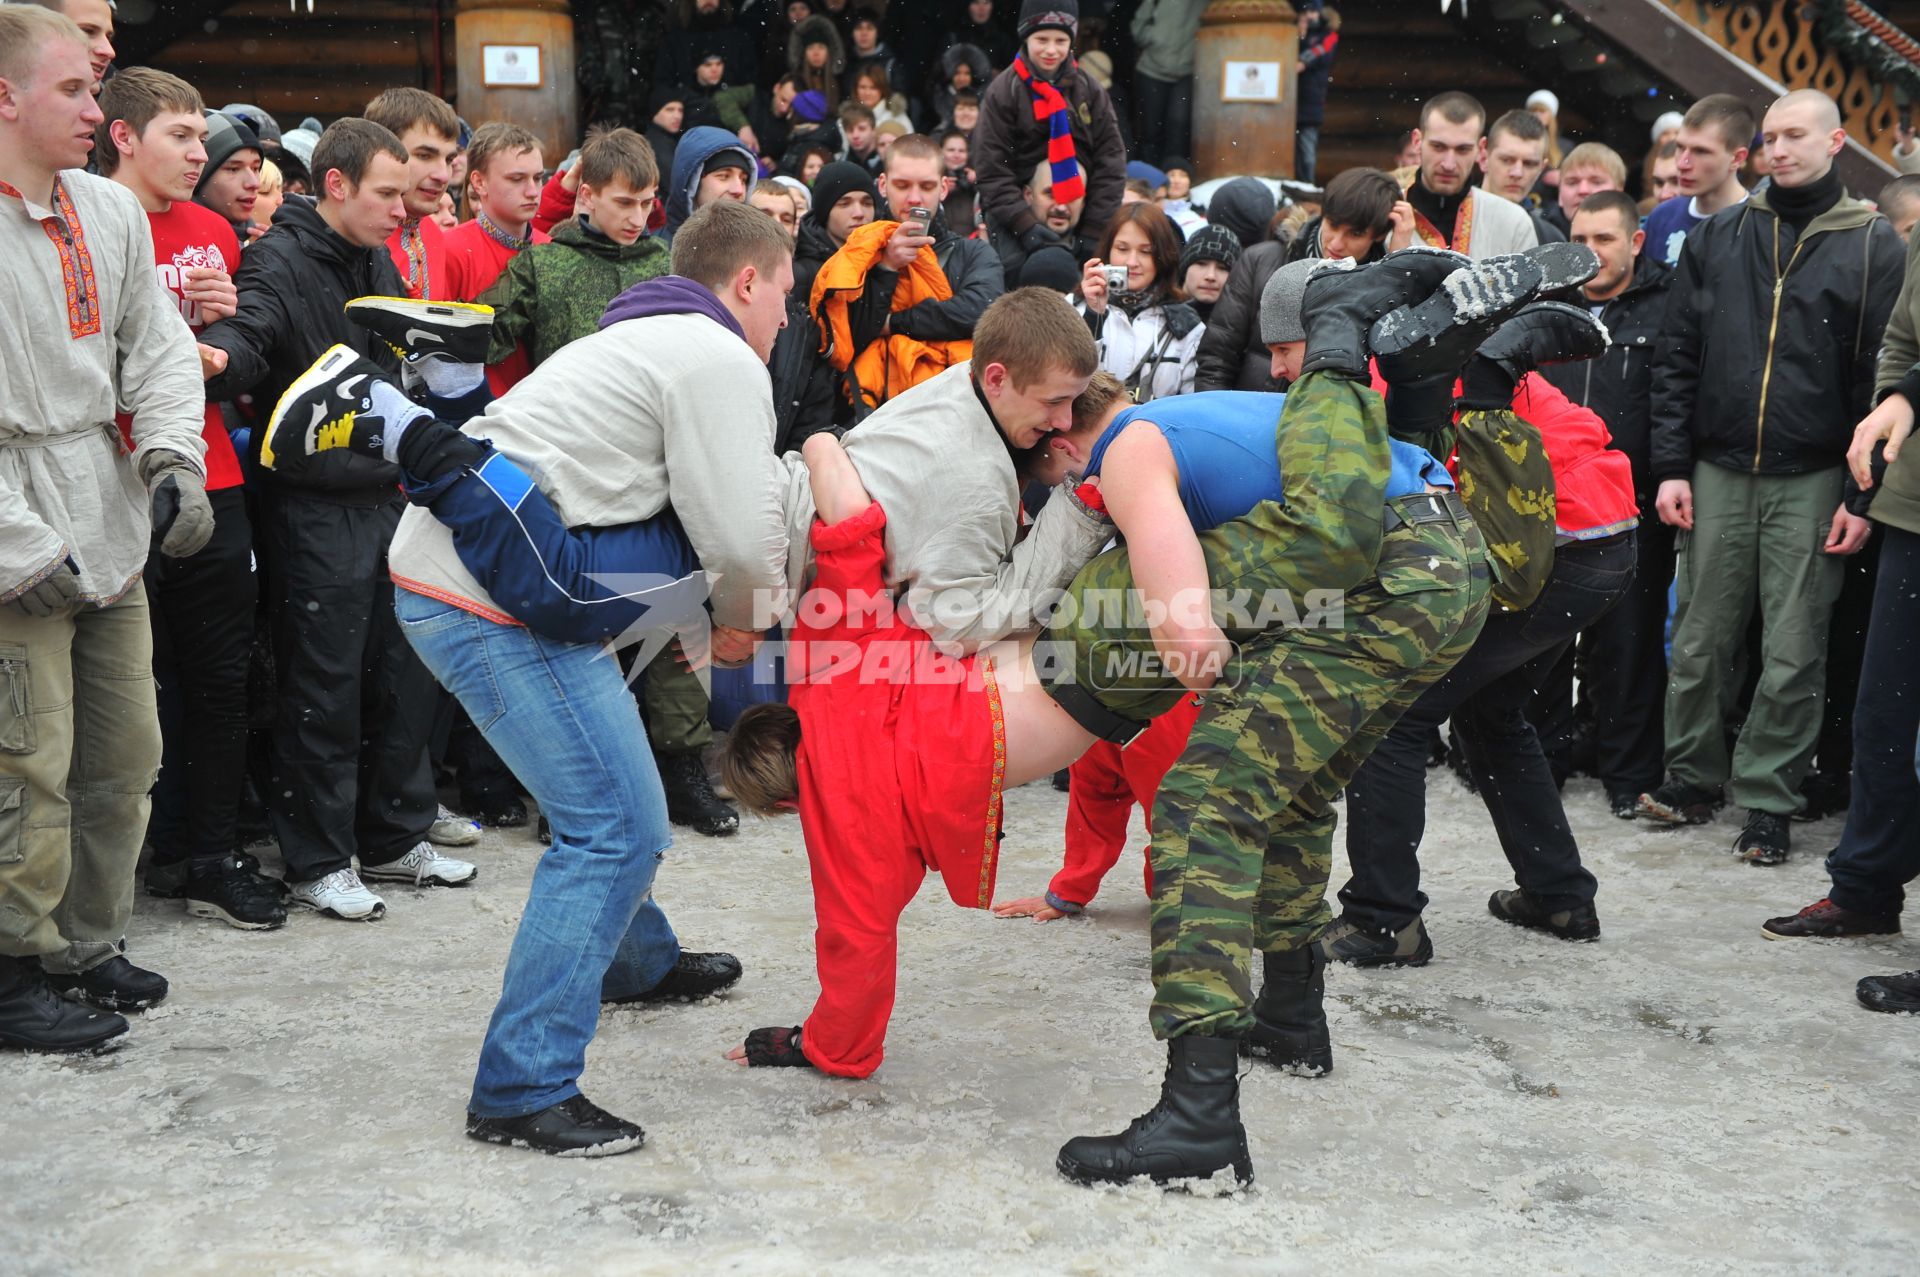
[[868, 854]]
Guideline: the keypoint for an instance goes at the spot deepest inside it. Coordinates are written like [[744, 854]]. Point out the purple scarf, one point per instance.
[[670, 295]]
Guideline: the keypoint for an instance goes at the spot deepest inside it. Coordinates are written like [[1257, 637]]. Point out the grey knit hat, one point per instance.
[[1280, 301]]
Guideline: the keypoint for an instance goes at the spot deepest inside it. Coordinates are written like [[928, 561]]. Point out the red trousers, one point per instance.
[[1106, 783], [901, 758]]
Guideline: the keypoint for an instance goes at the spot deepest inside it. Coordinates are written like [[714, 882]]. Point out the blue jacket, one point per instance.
[[696, 147]]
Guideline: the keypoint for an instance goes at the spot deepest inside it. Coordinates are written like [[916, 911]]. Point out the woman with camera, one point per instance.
[[1148, 335]]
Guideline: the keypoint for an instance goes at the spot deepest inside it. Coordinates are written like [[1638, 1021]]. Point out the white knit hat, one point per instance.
[[1544, 97], [1668, 120]]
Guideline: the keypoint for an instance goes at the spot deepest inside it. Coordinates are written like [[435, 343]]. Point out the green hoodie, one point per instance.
[[554, 293]]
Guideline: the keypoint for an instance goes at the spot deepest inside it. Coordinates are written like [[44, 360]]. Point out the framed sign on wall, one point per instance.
[[510, 66], [1250, 82]]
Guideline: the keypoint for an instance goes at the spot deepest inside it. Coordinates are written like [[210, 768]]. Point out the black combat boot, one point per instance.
[[1340, 304], [690, 797], [1191, 1133], [1435, 338], [1563, 266], [1544, 333], [1289, 1021]]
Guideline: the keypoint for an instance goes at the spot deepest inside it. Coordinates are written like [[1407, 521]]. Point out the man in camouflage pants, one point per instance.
[[1243, 824]]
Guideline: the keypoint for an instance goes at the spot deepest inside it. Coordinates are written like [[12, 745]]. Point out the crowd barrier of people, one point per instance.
[[860, 380]]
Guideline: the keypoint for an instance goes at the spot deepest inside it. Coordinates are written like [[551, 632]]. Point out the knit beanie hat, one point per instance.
[[1280, 301], [226, 137], [836, 181], [1052, 267], [1668, 120], [1180, 162], [1210, 244], [1043, 15], [264, 126], [664, 95], [1544, 97]]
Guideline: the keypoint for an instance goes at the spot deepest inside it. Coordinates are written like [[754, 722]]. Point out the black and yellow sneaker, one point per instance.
[[418, 330], [331, 405]]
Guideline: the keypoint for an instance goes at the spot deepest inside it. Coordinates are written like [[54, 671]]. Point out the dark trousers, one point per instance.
[[457, 746], [1486, 698], [1623, 670], [349, 758], [202, 611], [1163, 118], [1879, 851], [1846, 654]]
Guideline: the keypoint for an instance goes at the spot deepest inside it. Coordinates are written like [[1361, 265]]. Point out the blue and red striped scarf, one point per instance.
[[1050, 104]]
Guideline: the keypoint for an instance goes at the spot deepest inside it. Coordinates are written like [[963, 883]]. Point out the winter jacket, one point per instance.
[[294, 283], [1155, 352], [803, 400], [1593, 483], [1895, 499], [810, 253], [896, 76], [1316, 70], [696, 147], [1619, 384], [723, 106], [882, 366], [975, 58], [682, 51], [552, 294], [1163, 32], [1244, 206], [772, 132], [1009, 143], [1767, 351], [1232, 355], [819, 29], [663, 144], [973, 275], [1307, 244]]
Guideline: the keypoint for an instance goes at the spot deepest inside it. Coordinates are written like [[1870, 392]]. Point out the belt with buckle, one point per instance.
[[1423, 507], [1085, 709]]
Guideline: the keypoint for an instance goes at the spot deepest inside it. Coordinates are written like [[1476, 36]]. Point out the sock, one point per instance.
[[393, 407], [449, 380]]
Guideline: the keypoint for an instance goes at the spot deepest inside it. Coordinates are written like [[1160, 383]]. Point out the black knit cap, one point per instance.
[[1042, 15], [835, 181], [1210, 244]]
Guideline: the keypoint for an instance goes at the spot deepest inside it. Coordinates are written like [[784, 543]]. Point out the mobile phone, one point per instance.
[[918, 220], [1116, 278]]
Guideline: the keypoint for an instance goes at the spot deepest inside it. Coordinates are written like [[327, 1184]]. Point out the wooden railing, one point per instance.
[[1845, 50]]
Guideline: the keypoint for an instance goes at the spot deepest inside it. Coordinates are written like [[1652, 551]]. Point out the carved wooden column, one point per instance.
[[1243, 88], [516, 63]]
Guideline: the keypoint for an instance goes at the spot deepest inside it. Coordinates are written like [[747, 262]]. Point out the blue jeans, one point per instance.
[[560, 715]]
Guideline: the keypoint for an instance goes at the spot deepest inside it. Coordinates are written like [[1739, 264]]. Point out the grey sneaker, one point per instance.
[[1346, 941], [450, 830], [423, 867]]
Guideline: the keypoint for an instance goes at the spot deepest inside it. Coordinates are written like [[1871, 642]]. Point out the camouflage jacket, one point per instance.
[[554, 293]]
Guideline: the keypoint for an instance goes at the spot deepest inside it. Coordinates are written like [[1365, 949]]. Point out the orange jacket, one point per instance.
[[894, 362]]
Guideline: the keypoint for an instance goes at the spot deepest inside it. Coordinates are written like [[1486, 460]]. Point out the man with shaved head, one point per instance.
[[1750, 432]]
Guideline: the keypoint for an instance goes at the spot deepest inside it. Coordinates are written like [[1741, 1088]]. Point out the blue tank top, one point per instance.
[[1222, 442]]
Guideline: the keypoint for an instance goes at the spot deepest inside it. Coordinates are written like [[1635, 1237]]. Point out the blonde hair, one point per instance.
[[1102, 393], [1597, 155], [758, 761], [271, 180], [24, 29]]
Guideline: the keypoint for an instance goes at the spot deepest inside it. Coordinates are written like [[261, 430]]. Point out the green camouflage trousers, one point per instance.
[[1243, 824], [1267, 568]]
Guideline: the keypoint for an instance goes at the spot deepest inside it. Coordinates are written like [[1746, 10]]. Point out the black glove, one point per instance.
[[182, 515], [51, 597], [1037, 237]]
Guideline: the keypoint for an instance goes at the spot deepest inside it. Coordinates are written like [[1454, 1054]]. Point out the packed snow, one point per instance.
[[1682, 1097]]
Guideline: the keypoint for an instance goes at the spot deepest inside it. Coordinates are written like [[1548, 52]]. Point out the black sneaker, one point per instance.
[[1347, 942], [166, 880], [690, 797], [1825, 795], [572, 1128], [236, 893], [1624, 804], [500, 813], [1767, 839], [1678, 803], [457, 332], [1825, 920], [113, 985], [693, 977], [328, 406], [1897, 993], [35, 1018], [1576, 922]]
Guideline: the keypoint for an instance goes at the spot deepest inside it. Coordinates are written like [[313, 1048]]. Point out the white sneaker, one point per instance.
[[449, 830], [424, 867], [340, 893]]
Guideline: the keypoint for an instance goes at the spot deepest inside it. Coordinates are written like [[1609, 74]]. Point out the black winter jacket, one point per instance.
[[803, 401], [1619, 384], [294, 282], [1008, 144], [1232, 356], [1766, 357]]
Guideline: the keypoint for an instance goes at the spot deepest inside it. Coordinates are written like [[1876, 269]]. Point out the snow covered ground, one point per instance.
[[1682, 1097]]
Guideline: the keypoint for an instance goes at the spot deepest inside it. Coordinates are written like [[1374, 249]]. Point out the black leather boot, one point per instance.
[[1341, 304], [1191, 1133], [1544, 333], [1435, 338], [690, 797], [1563, 265], [1289, 1021], [35, 1018]]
